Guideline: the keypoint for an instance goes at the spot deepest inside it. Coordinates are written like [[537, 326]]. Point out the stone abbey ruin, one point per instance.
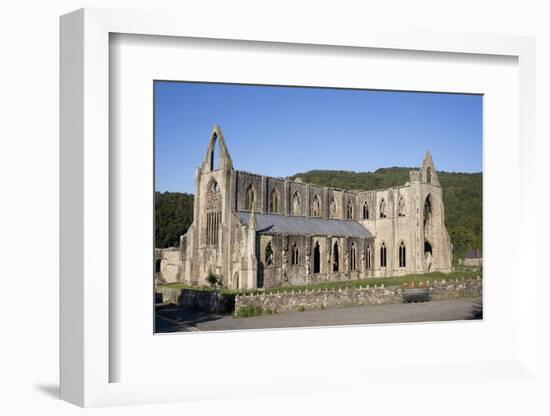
[[259, 232]]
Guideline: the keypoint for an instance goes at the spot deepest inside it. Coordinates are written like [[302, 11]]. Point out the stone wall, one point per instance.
[[202, 300], [315, 299], [167, 265]]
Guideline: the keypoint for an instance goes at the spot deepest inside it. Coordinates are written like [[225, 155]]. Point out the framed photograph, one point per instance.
[[333, 243], [256, 204]]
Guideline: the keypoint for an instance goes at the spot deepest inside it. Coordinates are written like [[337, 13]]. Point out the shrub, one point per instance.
[[248, 311]]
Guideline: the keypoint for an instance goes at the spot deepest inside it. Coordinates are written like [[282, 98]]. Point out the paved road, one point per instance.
[[172, 319]]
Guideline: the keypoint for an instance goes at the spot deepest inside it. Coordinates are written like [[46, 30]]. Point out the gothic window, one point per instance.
[[316, 207], [427, 210], [214, 161], [336, 258], [332, 208], [365, 211], [294, 254], [401, 207], [429, 175], [383, 213], [296, 208], [317, 258], [249, 198], [274, 202], [353, 265], [402, 255], [349, 211], [268, 255], [213, 213], [383, 256], [368, 258]]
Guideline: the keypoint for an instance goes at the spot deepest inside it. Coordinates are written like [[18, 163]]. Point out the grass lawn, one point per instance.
[[386, 281]]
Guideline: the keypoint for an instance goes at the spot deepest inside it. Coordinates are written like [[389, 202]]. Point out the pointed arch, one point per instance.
[[382, 209], [274, 201], [427, 211], [296, 204], [335, 257], [402, 254], [349, 211], [383, 255], [401, 207], [249, 197], [429, 175], [316, 206], [316, 258], [295, 254], [366, 210], [214, 163], [353, 257], [213, 208]]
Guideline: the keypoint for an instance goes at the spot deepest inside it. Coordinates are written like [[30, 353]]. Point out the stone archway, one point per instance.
[[316, 258], [336, 257]]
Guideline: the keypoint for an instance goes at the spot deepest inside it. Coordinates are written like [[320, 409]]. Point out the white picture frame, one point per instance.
[[87, 356]]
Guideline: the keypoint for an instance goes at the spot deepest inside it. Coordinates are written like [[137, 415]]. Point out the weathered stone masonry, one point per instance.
[[345, 297], [257, 231]]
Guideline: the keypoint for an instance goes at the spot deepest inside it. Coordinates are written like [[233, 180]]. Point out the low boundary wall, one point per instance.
[[314, 299]]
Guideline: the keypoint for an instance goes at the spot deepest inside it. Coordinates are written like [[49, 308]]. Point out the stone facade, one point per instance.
[[167, 265], [257, 231]]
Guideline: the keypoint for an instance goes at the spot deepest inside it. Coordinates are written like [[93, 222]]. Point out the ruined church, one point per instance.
[[259, 232]]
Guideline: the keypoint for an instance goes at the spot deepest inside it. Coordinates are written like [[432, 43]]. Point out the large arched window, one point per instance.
[[383, 213], [427, 213], [349, 211], [316, 207], [401, 207], [336, 258], [249, 197], [213, 213], [296, 206], [295, 254], [274, 202], [268, 255], [383, 256], [353, 264], [402, 255], [365, 211]]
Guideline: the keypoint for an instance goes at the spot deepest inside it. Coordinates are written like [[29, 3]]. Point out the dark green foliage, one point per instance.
[[248, 311], [173, 216], [462, 197]]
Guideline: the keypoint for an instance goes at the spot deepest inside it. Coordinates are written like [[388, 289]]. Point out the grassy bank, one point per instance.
[[386, 281]]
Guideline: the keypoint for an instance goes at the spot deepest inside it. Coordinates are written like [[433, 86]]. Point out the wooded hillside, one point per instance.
[[462, 195]]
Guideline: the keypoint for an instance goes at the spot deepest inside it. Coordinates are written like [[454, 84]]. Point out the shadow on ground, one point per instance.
[[51, 390], [185, 318], [477, 310]]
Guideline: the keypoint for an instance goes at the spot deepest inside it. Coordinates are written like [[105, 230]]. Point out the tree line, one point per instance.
[[462, 198]]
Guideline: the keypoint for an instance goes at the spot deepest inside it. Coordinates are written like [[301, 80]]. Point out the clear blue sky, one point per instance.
[[280, 131]]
